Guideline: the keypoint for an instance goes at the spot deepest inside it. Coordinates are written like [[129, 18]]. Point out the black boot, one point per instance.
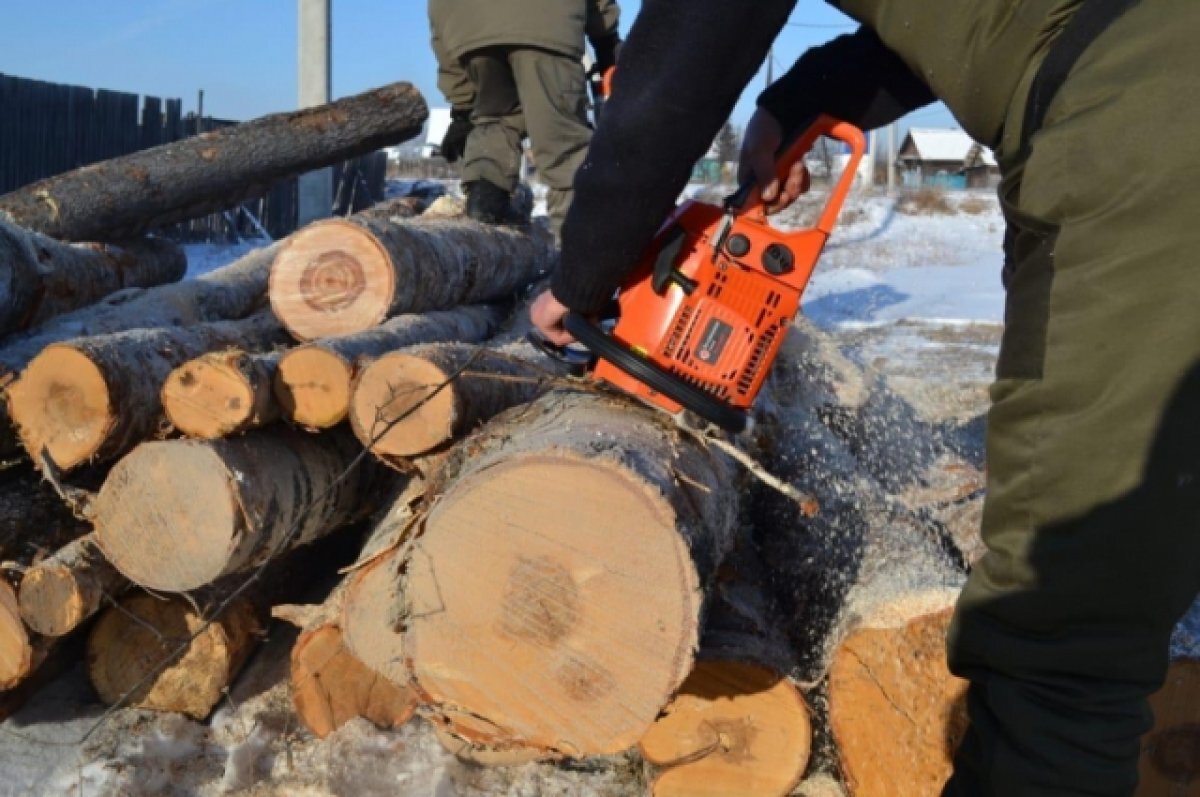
[[488, 203]]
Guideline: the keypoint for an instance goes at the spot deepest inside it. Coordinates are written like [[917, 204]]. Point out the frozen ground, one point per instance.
[[914, 295]]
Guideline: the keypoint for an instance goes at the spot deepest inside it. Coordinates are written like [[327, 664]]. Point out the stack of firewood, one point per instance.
[[546, 569]]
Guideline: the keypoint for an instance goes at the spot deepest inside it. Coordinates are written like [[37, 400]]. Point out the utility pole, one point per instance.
[[315, 79], [770, 66], [891, 158], [200, 113]]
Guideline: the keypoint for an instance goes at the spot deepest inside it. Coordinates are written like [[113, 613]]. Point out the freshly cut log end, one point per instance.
[[122, 650], [524, 587], [330, 686], [62, 591], [896, 712], [18, 653], [1170, 761], [219, 394], [313, 387], [331, 278], [385, 395], [62, 405], [733, 728]]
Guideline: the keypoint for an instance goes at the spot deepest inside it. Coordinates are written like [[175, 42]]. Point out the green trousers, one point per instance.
[[1092, 517], [519, 91]]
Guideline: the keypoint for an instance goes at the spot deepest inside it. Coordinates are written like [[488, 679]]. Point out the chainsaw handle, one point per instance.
[[749, 197]]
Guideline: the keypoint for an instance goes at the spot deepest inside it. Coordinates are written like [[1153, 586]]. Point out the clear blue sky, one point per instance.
[[242, 52]]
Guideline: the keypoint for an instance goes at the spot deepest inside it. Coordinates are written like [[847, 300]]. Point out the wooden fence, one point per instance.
[[49, 128]]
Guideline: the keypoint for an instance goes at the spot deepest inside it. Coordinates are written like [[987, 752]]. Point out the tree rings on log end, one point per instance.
[[733, 728], [60, 404], [330, 686], [554, 598], [50, 600], [312, 387], [123, 649], [16, 647], [167, 515], [331, 278], [209, 397], [896, 712], [1170, 761], [386, 392]]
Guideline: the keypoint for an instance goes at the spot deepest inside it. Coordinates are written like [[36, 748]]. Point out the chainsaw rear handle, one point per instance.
[[748, 199]]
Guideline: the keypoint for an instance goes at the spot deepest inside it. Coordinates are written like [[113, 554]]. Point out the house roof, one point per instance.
[[943, 144]]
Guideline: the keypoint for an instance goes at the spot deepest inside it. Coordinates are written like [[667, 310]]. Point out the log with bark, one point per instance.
[[554, 596], [93, 399], [121, 198], [176, 515], [313, 381], [410, 402], [41, 278], [1170, 760], [62, 591], [222, 393], [341, 276]]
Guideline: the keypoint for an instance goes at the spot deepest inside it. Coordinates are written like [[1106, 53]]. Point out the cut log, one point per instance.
[[410, 402], [222, 393], [175, 515], [733, 728], [896, 713], [313, 382], [41, 278], [1170, 762], [95, 398], [341, 276], [20, 650], [330, 687], [556, 590], [128, 643], [121, 198], [484, 755], [59, 593]]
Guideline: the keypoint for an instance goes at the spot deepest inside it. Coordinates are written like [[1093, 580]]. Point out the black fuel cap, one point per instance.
[[778, 259], [737, 245]]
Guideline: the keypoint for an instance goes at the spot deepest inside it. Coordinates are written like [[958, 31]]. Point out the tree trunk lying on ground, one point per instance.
[[410, 402], [1170, 762], [554, 596], [233, 291], [313, 381], [121, 198], [62, 591], [229, 503], [222, 393], [41, 278], [341, 276], [95, 398]]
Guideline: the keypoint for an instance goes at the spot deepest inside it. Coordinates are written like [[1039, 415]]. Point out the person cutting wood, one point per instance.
[[1092, 516], [513, 67]]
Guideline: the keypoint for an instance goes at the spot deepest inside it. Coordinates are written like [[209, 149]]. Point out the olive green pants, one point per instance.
[[1092, 518], [521, 90]]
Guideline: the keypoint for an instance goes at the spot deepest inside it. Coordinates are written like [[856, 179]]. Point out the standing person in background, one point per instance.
[[511, 68], [1092, 515]]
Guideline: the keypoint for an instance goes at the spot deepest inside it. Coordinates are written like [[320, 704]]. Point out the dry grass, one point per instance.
[[975, 205], [925, 202]]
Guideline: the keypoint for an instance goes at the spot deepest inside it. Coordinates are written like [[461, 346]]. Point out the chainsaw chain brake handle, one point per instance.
[[565, 360], [747, 204]]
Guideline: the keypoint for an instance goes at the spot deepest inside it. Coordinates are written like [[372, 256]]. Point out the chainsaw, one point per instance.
[[701, 319]]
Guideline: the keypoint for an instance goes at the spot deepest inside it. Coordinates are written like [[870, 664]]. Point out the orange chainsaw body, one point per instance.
[[711, 301]]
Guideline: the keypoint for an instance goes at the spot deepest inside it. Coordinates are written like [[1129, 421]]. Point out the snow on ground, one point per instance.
[[911, 292]]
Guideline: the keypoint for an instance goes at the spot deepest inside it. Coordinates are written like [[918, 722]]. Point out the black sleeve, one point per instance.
[[679, 75], [855, 78]]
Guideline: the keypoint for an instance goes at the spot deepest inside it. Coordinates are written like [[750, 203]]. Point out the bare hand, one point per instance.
[[547, 314], [760, 147]]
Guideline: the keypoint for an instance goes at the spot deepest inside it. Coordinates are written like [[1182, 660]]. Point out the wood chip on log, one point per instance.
[[313, 384], [222, 393], [1170, 760], [341, 276], [121, 198], [410, 402], [41, 278], [556, 590], [93, 399], [175, 515], [62, 591]]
